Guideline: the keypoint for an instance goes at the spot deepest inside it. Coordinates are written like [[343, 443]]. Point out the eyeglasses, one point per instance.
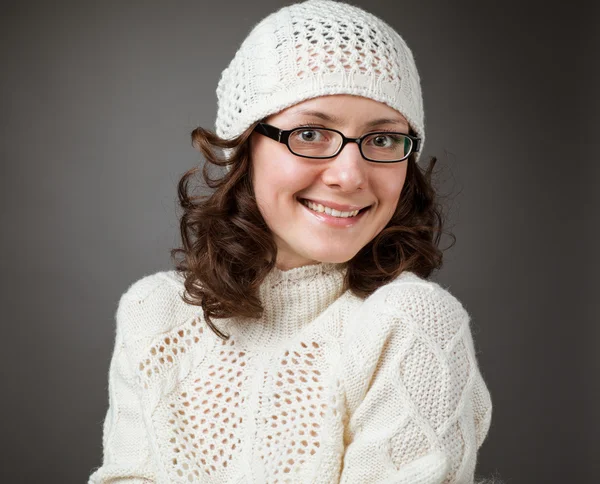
[[322, 143]]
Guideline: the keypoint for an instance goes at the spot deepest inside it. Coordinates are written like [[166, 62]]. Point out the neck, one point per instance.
[[291, 300]]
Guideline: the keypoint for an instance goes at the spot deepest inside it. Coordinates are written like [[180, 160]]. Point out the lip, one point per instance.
[[342, 222], [337, 206]]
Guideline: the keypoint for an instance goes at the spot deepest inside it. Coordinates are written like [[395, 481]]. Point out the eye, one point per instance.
[[309, 135], [382, 141], [386, 141]]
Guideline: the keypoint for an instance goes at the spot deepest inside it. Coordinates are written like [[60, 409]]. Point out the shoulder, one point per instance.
[[144, 287], [418, 305], [152, 305], [422, 298]]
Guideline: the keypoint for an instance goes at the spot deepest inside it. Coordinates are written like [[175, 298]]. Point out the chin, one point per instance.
[[332, 256]]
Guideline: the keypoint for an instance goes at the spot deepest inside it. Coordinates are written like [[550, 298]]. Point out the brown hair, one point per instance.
[[228, 248]]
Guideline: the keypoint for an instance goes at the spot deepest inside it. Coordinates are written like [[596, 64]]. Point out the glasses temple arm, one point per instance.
[[417, 142], [268, 130]]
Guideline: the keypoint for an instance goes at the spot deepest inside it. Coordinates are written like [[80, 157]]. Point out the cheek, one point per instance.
[[277, 176], [264, 177], [390, 188]]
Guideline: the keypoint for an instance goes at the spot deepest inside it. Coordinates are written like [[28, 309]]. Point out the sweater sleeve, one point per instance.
[[126, 454], [417, 404]]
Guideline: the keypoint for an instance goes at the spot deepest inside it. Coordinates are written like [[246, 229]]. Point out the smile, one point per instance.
[[317, 207], [326, 215]]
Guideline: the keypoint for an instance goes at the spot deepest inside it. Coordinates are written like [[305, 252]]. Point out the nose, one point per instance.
[[347, 170]]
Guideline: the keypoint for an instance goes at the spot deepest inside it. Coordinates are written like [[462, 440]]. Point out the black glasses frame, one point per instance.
[[283, 136]]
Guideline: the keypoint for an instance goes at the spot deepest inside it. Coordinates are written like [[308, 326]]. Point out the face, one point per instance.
[[283, 182]]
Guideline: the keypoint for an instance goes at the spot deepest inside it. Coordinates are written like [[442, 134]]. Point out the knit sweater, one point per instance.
[[325, 387]]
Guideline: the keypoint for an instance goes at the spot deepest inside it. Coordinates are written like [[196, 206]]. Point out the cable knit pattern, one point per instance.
[[325, 387]]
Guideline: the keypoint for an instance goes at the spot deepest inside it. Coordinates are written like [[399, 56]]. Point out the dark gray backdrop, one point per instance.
[[98, 100]]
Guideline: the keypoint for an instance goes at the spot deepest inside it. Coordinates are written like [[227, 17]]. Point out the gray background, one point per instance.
[[98, 100]]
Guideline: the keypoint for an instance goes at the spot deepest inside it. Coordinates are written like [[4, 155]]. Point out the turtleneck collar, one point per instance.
[[291, 300]]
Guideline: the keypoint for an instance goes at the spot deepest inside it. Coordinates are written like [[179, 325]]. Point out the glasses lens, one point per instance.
[[314, 142], [386, 146]]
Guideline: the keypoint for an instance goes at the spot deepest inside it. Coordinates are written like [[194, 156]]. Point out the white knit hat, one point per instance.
[[316, 48]]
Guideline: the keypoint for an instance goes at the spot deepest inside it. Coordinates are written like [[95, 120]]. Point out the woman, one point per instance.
[[298, 339]]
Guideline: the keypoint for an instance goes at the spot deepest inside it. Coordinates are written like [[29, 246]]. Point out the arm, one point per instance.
[[418, 406], [126, 454]]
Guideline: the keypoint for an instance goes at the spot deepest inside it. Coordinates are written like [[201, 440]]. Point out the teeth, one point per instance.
[[329, 211]]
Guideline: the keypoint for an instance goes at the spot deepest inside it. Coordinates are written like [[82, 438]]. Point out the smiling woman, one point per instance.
[[345, 181], [298, 339]]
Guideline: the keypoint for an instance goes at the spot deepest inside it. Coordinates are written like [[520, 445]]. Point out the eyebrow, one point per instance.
[[334, 119]]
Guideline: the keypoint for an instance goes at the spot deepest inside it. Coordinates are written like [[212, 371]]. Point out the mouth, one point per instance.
[[318, 208]]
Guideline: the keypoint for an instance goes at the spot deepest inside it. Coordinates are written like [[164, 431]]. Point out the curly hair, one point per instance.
[[228, 249]]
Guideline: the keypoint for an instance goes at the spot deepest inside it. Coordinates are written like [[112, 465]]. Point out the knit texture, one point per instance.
[[312, 49], [325, 387]]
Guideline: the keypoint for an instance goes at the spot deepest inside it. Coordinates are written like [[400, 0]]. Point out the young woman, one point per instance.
[[298, 339]]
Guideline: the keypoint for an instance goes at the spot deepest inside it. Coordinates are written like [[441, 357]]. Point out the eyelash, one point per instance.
[[308, 125]]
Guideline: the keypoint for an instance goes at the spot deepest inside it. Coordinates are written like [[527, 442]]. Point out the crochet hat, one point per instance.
[[317, 48]]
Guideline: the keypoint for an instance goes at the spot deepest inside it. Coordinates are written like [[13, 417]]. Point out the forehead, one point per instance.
[[341, 109]]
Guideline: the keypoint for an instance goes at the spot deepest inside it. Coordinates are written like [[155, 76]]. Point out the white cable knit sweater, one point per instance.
[[324, 388]]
